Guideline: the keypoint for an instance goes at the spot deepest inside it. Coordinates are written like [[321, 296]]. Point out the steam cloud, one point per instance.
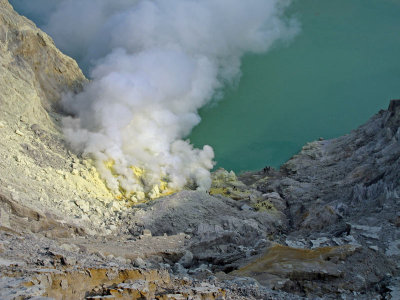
[[153, 64]]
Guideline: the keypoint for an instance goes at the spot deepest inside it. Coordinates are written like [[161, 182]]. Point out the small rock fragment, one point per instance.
[[19, 132], [83, 205], [64, 284], [139, 263], [373, 247], [186, 259], [246, 207], [4, 218], [70, 247], [146, 232]]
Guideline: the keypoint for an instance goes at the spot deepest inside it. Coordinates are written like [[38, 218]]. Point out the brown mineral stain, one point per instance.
[[286, 262]]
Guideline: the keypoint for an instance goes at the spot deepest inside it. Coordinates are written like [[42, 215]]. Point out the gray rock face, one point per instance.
[[354, 178], [216, 225]]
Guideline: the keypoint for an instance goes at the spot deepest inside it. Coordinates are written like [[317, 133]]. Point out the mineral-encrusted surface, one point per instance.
[[326, 224]]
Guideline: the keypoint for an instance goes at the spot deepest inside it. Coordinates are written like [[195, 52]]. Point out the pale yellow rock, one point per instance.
[[116, 206], [35, 160], [155, 192], [19, 132], [140, 196], [227, 184], [134, 199], [4, 218]]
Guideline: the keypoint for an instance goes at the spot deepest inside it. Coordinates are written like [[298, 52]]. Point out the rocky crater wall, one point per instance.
[[326, 224]]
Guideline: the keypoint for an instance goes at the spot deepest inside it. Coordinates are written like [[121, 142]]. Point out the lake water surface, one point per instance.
[[340, 70]]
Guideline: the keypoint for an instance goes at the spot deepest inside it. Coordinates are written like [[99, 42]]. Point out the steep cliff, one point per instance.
[[34, 72], [37, 169]]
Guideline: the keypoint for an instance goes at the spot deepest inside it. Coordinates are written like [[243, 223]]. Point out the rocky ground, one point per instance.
[[326, 225]]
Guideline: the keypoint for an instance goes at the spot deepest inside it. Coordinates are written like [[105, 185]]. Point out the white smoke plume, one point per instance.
[[154, 63]]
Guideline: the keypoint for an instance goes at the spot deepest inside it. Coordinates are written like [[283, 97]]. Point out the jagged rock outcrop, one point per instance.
[[353, 179]]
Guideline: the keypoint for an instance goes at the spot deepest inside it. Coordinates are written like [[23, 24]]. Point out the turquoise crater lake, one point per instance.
[[340, 70]]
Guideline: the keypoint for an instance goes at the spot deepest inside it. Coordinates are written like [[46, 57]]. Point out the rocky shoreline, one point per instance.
[[325, 225]]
